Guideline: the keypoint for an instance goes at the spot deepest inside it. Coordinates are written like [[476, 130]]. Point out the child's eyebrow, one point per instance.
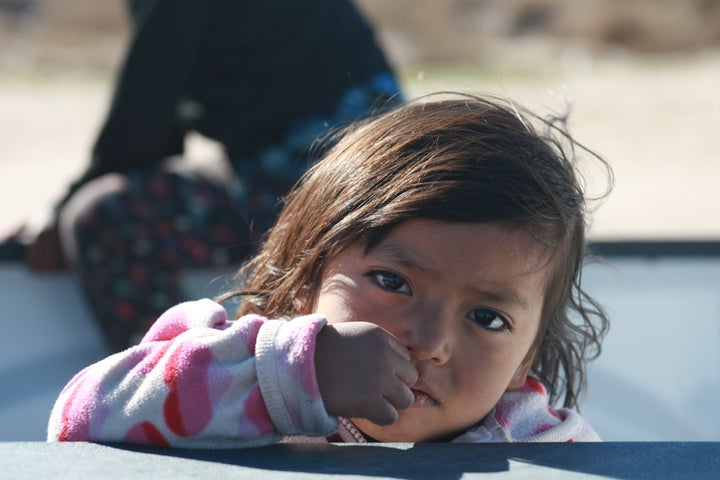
[[505, 296], [392, 252]]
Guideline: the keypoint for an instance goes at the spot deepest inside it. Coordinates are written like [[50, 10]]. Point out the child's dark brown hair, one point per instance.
[[457, 159]]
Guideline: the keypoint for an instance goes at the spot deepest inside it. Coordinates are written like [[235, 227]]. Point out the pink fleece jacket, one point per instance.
[[199, 380]]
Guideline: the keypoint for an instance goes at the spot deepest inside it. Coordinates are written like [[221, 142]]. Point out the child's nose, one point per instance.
[[427, 336]]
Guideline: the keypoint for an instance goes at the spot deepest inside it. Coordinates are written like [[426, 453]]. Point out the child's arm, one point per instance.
[[199, 380]]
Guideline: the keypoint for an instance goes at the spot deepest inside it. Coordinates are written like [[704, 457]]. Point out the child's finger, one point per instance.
[[400, 398], [407, 373], [383, 413], [399, 347], [404, 370]]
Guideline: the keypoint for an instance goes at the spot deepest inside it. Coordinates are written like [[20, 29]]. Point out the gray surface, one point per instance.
[[658, 378], [386, 461]]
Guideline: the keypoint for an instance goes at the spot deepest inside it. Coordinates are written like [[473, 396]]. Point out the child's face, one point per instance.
[[465, 299]]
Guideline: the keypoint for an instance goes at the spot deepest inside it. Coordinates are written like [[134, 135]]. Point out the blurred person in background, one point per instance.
[[264, 79]]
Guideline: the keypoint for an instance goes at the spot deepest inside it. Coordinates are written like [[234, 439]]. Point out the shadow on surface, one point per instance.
[[453, 461]]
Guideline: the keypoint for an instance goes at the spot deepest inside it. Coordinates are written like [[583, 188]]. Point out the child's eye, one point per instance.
[[489, 320], [390, 281]]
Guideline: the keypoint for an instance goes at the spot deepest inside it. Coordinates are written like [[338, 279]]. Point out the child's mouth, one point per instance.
[[422, 399]]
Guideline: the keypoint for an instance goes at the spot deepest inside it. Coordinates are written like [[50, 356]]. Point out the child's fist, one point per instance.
[[363, 372]]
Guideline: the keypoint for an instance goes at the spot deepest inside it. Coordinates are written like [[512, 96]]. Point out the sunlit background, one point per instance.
[[640, 78]]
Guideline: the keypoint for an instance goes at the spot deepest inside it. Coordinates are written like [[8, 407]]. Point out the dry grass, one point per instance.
[[422, 31], [492, 32]]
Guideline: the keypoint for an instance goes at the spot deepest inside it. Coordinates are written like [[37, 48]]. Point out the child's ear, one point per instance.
[[518, 379]]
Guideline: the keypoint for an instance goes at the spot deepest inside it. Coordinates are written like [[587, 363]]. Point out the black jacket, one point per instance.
[[237, 71]]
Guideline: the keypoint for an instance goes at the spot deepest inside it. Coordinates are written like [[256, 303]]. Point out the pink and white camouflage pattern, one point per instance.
[[199, 380]]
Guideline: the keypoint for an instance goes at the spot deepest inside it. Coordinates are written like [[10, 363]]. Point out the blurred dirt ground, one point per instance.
[[642, 83]]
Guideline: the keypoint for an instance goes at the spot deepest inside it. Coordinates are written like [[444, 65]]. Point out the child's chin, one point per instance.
[[398, 432]]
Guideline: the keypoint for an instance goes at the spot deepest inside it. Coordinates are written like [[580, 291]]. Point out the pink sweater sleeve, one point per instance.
[[198, 380], [524, 415]]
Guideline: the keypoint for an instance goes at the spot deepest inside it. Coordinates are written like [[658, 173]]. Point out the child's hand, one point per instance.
[[363, 372]]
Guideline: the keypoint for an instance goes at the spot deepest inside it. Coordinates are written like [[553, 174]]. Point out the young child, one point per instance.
[[421, 284]]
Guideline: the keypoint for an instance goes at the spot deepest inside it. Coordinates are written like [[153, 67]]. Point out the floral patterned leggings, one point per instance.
[[134, 243]]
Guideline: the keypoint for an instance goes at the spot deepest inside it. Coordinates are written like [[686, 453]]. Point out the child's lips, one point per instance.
[[423, 398]]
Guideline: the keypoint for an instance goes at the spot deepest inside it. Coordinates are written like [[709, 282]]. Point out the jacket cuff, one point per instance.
[[285, 353]]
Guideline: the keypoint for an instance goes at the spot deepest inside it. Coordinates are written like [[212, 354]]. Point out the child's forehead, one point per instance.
[[436, 231], [437, 244]]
